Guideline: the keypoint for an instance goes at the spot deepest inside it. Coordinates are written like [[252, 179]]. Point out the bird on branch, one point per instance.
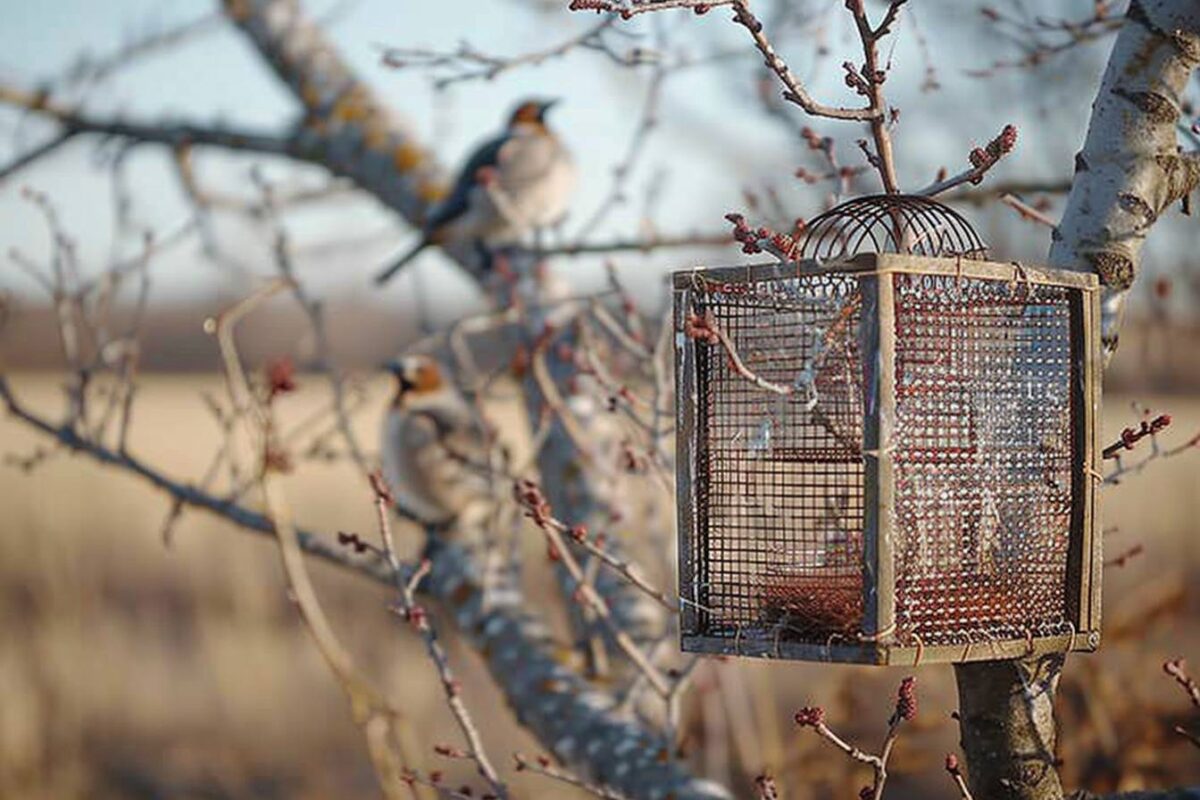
[[434, 448], [518, 182]]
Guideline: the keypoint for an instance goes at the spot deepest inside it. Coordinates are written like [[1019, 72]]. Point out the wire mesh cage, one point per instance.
[[891, 223], [887, 458]]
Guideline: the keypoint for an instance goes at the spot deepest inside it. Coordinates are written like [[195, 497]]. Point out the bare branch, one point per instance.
[[33, 154], [706, 329], [644, 245], [1177, 669], [794, 89], [532, 499], [956, 775], [415, 615], [1131, 436], [466, 63], [982, 160], [543, 766], [1026, 211], [557, 705], [906, 710], [367, 704], [1042, 39]]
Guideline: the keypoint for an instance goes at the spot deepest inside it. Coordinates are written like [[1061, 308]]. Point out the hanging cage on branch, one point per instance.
[[887, 449]]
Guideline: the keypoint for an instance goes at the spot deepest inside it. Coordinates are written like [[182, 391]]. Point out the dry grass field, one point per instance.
[[135, 667]]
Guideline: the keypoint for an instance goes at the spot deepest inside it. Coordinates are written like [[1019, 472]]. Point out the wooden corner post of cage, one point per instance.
[[687, 459], [877, 344]]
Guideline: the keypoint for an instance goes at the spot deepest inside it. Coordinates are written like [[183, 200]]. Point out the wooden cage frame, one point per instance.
[[877, 644]]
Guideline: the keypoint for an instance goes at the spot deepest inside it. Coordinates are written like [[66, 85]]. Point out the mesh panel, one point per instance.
[[982, 454], [777, 543]]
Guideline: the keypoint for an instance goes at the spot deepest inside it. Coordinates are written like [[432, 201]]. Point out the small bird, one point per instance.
[[519, 181], [434, 447]]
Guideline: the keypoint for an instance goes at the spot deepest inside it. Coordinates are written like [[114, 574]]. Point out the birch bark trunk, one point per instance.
[[1129, 171]]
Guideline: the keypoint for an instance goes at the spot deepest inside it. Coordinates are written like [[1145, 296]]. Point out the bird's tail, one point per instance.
[[399, 264]]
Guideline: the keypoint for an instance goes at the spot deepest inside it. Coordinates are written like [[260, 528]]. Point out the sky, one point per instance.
[[710, 145]]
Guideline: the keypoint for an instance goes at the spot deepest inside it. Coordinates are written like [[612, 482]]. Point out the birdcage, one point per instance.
[[887, 449]]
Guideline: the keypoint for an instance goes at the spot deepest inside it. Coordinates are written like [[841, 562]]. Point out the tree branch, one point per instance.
[[580, 725]]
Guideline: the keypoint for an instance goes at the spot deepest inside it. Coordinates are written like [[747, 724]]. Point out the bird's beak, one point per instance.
[[547, 105]]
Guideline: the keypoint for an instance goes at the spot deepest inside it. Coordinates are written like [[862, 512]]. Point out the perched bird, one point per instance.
[[515, 183], [433, 447]]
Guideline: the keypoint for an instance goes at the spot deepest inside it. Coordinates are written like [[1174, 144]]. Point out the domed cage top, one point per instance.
[[887, 457], [891, 223]]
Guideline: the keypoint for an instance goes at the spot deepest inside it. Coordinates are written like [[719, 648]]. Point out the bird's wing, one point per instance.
[[455, 468], [441, 470], [457, 201], [403, 439]]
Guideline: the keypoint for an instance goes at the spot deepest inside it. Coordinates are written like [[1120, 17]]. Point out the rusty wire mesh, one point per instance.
[[778, 535], [891, 223], [960, 527], [983, 455]]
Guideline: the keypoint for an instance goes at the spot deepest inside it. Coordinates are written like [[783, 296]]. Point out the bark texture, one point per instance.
[[1006, 718], [344, 126], [1131, 169], [577, 723]]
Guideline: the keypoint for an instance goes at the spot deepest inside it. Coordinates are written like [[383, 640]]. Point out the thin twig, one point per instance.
[[1177, 669], [545, 767], [366, 703], [467, 63], [530, 496], [982, 159], [956, 775], [1027, 211], [906, 709], [416, 616], [705, 328], [624, 567]]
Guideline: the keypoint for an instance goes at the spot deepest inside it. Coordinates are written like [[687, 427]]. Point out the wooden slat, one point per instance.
[[886, 415], [1078, 574], [894, 655], [838, 651], [876, 345], [994, 270], [1093, 458], [847, 653], [685, 461], [921, 265], [747, 273], [1085, 561]]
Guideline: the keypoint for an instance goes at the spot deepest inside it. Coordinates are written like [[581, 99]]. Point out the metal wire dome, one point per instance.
[[891, 223]]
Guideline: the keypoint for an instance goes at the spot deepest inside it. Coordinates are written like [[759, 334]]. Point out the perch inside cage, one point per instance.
[[886, 450]]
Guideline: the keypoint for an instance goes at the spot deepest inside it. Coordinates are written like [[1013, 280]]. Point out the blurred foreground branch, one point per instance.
[[580, 725]]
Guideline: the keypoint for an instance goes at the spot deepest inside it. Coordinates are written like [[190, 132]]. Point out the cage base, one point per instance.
[[884, 653]]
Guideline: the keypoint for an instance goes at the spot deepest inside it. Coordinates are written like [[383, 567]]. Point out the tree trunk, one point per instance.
[[1006, 717], [1129, 171]]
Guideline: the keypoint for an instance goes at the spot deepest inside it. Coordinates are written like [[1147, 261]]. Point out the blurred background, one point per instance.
[[147, 656]]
